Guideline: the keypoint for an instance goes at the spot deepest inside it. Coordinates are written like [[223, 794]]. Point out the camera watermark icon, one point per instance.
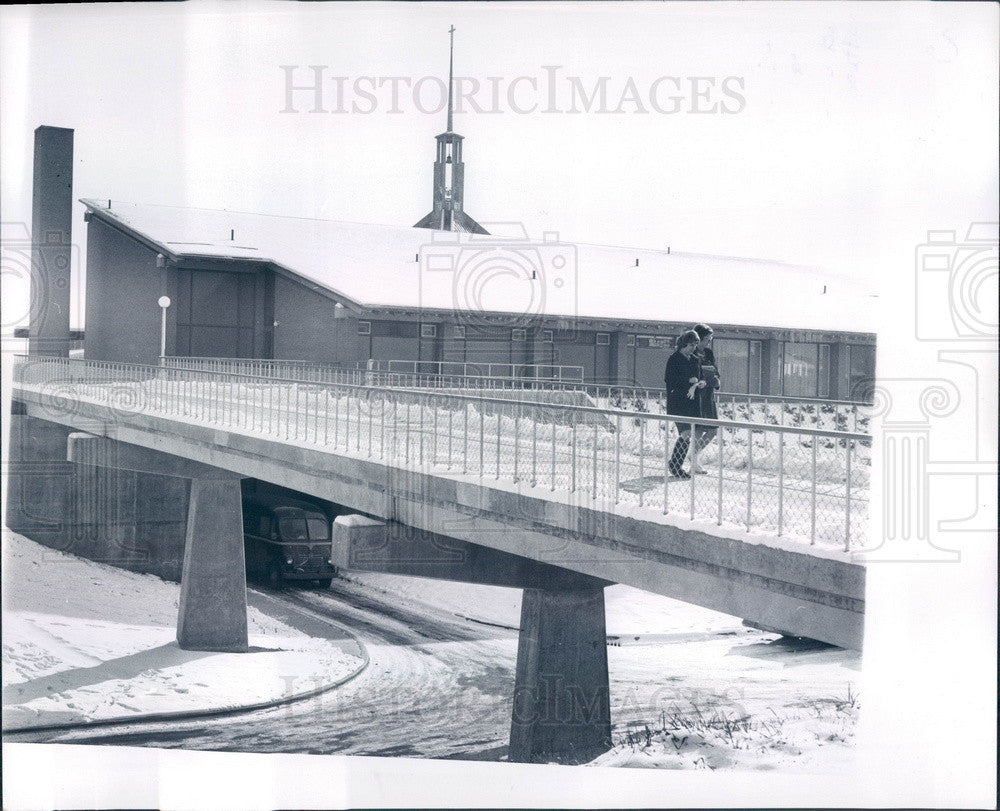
[[33, 274], [919, 475], [956, 285], [492, 281]]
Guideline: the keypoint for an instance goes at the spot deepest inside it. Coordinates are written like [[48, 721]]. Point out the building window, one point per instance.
[[800, 369], [459, 331], [733, 358], [518, 334], [630, 340], [364, 327], [546, 336], [862, 372], [428, 330], [823, 371], [603, 338], [756, 367]]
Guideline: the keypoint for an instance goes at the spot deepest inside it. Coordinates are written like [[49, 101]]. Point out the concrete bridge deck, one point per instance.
[[565, 509]]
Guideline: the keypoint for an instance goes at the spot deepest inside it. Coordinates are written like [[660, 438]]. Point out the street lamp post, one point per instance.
[[164, 302]]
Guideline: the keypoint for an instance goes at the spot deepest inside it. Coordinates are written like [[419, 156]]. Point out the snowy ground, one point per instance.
[[693, 688], [690, 688], [631, 615], [83, 641]]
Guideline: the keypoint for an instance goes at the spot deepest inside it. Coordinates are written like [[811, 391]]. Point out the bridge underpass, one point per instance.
[[562, 547]]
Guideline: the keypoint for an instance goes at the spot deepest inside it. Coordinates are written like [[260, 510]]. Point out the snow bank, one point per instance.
[[84, 642]]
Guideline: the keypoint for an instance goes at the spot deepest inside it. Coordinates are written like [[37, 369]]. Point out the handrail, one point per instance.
[[177, 361], [566, 374], [851, 414], [476, 399], [803, 481]]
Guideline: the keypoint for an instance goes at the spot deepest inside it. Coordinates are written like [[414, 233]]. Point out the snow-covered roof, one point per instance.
[[378, 266]]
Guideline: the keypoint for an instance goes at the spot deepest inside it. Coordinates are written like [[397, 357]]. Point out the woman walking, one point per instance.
[[706, 395], [683, 380]]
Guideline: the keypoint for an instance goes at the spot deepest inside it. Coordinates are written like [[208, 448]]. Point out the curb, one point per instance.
[[154, 717]]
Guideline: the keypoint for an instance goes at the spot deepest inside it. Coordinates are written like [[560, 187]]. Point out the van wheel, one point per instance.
[[324, 582], [275, 577]]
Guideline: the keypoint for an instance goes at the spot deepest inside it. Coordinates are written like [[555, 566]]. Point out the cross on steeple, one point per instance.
[[451, 63], [448, 213]]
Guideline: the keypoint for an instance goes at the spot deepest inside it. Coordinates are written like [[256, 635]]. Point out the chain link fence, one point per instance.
[[785, 480]]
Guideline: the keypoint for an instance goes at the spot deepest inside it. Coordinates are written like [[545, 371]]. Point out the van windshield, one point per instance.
[[319, 529], [293, 529], [312, 526]]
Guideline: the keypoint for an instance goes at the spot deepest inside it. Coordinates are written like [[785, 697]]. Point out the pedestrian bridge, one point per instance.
[[468, 481]]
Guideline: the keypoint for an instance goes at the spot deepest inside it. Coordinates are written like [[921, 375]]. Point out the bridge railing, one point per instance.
[[801, 412], [803, 483], [302, 370], [380, 374], [428, 372], [541, 372]]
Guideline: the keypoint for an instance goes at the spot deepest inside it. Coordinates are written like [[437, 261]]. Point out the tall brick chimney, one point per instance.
[[51, 242]]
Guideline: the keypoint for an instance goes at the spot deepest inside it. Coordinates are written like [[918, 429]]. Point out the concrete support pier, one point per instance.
[[213, 607], [213, 604], [562, 708]]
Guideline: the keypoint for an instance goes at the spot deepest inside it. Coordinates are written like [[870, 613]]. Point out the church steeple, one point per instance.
[[451, 72], [448, 213]]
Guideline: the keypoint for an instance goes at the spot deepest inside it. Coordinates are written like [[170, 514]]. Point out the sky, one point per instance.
[[835, 136]]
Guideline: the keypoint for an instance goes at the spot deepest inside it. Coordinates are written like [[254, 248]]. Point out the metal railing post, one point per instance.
[[618, 455], [499, 418], [749, 477], [812, 528], [693, 451], [517, 438], [534, 451], [553, 453], [594, 495], [572, 461], [781, 481], [847, 497], [720, 441], [642, 457], [666, 466]]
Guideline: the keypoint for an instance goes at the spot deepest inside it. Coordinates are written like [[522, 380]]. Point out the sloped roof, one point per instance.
[[377, 266]]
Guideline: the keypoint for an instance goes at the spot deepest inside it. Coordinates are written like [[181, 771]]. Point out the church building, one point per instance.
[[445, 290]]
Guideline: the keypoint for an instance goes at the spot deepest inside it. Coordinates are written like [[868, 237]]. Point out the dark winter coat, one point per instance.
[[677, 378], [710, 374]]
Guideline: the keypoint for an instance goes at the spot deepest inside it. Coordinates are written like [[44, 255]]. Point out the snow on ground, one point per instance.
[[756, 702], [630, 612], [692, 688], [83, 641]]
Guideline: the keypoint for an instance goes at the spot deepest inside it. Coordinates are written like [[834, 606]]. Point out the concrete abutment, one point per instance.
[[212, 614], [213, 605], [562, 707]]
